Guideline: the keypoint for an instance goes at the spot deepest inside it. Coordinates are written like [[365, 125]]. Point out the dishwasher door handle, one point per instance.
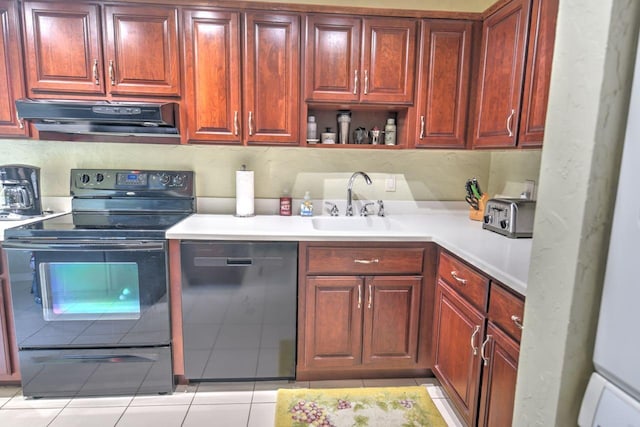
[[239, 261]]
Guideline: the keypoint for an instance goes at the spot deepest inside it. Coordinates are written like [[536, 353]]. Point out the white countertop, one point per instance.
[[506, 260]]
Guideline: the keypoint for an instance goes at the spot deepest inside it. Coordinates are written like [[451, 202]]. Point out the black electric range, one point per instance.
[[90, 291]]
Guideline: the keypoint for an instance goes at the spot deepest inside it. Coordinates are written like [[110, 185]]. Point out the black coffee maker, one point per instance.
[[19, 192]]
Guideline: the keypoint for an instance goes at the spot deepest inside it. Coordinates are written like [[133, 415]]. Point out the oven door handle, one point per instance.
[[107, 245]]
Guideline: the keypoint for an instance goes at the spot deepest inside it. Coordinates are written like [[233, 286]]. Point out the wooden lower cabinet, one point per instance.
[[365, 310], [458, 331], [8, 350], [500, 370], [362, 321]]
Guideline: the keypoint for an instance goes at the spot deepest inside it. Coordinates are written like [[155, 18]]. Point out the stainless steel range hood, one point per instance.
[[100, 117]]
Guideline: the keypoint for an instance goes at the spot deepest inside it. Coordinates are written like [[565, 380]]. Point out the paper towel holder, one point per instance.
[[250, 209]]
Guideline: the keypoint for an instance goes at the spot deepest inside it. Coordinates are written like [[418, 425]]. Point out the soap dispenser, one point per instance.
[[306, 207]]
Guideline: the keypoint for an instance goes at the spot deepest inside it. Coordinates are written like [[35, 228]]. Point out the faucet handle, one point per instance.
[[380, 208], [364, 211], [333, 208]]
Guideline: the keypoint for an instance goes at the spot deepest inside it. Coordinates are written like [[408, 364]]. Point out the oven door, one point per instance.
[[89, 294]]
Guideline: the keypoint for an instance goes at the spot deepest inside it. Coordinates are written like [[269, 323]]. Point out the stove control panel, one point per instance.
[[95, 182]]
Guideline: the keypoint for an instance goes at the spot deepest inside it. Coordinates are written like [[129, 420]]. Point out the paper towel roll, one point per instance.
[[244, 193]]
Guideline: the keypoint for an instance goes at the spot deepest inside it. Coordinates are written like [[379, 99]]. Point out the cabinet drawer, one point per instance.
[[349, 260], [506, 310], [464, 279]]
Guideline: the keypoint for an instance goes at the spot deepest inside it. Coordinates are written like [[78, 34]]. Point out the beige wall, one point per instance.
[[420, 174], [591, 78]]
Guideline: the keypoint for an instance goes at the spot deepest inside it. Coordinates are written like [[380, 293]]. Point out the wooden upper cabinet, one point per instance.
[[332, 58], [271, 86], [62, 48], [502, 59], [535, 96], [141, 50], [11, 80], [443, 84], [212, 109], [388, 60], [360, 60]]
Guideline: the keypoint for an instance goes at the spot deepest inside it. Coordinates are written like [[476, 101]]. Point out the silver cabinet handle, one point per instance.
[[112, 73], [473, 339], [366, 261], [236, 125], [517, 321], [20, 121], [370, 297], [366, 82], [355, 82], [484, 344], [359, 297], [250, 123], [460, 280], [421, 127], [509, 122], [96, 77]]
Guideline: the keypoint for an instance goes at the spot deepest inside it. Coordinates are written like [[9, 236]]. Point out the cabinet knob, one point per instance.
[[250, 123], [236, 124], [359, 297], [370, 297], [422, 127], [366, 261]]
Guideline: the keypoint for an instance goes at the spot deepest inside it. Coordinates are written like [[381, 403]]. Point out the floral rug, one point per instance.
[[357, 407]]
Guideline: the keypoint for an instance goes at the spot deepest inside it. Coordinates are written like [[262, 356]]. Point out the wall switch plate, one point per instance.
[[390, 183]]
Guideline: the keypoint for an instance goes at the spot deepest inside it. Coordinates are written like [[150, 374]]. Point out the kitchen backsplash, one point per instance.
[[418, 174]]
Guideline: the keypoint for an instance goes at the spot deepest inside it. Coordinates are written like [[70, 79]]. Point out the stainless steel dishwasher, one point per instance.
[[239, 309]]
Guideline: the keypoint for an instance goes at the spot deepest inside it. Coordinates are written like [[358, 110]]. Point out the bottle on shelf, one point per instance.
[[390, 132], [312, 130]]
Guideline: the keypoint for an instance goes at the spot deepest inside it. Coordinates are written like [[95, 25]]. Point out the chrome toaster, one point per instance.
[[510, 217]]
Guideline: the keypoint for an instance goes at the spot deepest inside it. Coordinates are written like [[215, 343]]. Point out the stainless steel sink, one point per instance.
[[356, 223]]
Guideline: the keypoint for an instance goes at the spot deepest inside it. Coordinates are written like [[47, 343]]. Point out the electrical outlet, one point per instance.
[[390, 183]]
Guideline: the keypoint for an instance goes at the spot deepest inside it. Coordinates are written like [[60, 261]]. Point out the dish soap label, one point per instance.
[[306, 207]]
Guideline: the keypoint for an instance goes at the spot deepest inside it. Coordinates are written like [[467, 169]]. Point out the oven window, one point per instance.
[[90, 290]]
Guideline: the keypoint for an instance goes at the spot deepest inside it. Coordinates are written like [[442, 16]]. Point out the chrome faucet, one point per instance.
[[350, 186]]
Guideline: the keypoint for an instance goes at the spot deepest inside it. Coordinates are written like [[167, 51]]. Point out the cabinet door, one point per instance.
[[11, 81], [388, 60], [443, 88], [538, 72], [498, 379], [457, 334], [62, 48], [212, 76], [332, 58], [8, 349], [141, 48], [271, 78], [333, 323], [501, 75], [391, 321]]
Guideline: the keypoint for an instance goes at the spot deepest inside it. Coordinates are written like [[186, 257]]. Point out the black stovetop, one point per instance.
[[97, 226]]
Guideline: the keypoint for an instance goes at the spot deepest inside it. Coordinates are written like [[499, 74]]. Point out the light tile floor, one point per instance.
[[250, 404]]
